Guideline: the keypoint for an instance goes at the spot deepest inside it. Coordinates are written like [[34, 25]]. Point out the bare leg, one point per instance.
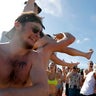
[[58, 61], [75, 52]]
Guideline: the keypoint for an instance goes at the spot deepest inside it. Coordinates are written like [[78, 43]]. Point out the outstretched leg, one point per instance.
[[75, 52]]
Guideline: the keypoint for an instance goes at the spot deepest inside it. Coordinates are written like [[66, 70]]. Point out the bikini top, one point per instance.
[[52, 82]]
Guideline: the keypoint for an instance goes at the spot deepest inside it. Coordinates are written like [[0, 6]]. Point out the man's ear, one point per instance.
[[17, 25]]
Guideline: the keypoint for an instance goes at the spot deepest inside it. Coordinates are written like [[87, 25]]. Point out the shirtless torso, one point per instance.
[[14, 71]]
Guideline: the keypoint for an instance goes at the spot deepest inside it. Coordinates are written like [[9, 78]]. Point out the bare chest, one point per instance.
[[52, 76], [14, 71]]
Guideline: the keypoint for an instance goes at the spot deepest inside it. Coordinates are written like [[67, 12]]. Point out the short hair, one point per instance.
[[74, 67], [29, 17], [90, 63], [24, 18]]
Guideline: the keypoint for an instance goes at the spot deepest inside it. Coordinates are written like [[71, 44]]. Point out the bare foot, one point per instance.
[[89, 54]]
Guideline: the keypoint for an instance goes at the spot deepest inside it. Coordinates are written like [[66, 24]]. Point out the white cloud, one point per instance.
[[53, 7], [82, 41], [78, 41], [57, 8], [86, 39]]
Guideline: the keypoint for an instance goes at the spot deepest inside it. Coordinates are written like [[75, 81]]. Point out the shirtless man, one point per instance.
[[18, 61]]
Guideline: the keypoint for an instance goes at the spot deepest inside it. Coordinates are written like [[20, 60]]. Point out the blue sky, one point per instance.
[[75, 16]]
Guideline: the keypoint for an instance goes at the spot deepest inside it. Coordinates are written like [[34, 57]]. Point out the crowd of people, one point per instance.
[[70, 81], [24, 61]]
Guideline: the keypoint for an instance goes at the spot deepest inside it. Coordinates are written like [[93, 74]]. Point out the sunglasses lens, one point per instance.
[[35, 30], [41, 34]]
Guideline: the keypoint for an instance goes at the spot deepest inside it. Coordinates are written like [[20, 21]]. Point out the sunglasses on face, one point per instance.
[[36, 29]]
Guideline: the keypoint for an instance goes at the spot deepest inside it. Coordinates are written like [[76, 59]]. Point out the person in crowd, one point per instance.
[[60, 82], [89, 69], [82, 76], [74, 82], [89, 86], [52, 79], [65, 71]]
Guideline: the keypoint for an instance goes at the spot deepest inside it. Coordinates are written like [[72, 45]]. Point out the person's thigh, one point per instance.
[[71, 92], [93, 95], [67, 89], [77, 92]]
